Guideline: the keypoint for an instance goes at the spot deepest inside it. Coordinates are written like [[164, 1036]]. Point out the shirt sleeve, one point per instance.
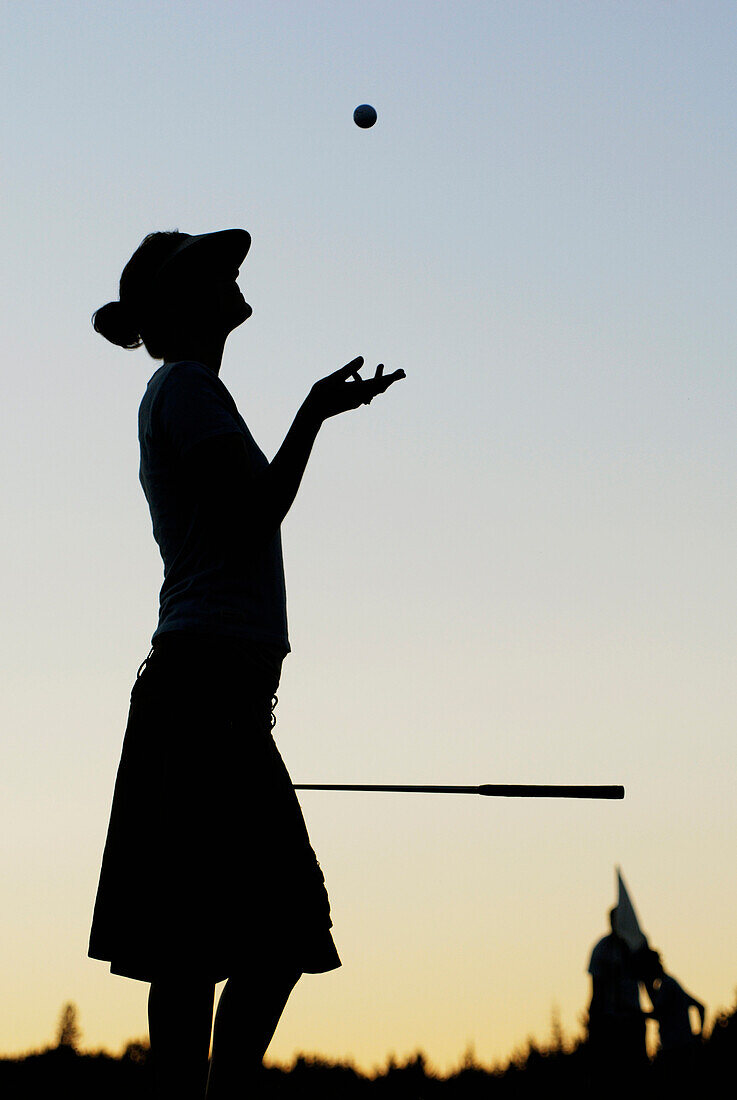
[[194, 405]]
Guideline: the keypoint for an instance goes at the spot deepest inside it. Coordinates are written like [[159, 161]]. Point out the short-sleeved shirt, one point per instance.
[[205, 590], [616, 989]]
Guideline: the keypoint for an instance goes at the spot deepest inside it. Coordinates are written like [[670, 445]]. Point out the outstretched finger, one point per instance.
[[352, 368], [383, 382], [379, 370]]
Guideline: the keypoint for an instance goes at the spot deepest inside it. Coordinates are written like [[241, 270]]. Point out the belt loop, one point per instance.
[[144, 662]]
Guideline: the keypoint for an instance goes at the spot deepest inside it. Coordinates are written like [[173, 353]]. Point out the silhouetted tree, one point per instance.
[[137, 1051], [68, 1034]]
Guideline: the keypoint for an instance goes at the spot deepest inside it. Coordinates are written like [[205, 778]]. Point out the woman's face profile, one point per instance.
[[232, 307], [213, 303]]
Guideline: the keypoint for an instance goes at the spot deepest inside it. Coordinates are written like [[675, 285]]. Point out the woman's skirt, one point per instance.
[[207, 868]]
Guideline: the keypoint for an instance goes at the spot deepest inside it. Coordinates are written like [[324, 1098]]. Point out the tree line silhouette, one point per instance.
[[560, 1063]]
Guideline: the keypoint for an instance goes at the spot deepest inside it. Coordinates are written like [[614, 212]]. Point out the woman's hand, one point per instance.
[[336, 394]]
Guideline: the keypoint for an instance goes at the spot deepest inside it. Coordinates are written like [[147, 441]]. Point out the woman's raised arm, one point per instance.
[[254, 505]]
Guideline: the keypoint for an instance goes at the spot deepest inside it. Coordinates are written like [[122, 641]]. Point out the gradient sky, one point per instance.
[[517, 566]]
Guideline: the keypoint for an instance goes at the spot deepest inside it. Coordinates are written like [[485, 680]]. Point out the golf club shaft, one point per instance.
[[498, 790]]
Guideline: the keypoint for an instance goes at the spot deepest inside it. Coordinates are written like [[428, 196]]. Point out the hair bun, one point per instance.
[[115, 322]]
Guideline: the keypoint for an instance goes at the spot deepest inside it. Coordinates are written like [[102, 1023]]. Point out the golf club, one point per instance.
[[496, 790]]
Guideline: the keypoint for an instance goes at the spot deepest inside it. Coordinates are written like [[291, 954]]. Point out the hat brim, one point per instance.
[[227, 248]]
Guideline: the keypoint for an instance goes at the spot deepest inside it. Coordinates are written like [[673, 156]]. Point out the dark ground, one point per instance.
[[538, 1071]]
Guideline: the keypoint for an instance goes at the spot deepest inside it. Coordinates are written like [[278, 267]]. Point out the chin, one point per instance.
[[242, 315]]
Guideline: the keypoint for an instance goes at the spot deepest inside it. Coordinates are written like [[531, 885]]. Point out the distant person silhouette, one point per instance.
[[616, 1027], [671, 1008], [208, 872]]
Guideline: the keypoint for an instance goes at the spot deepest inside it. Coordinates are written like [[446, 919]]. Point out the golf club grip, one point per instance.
[[498, 790], [523, 790]]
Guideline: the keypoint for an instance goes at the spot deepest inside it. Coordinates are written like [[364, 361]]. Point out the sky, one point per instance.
[[516, 566]]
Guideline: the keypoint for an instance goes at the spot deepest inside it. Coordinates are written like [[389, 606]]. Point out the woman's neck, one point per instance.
[[207, 352]]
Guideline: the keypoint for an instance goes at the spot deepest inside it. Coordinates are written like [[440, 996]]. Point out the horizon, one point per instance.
[[557, 1039]]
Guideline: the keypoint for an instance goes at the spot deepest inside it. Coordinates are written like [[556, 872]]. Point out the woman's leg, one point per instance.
[[249, 1009], [180, 1024]]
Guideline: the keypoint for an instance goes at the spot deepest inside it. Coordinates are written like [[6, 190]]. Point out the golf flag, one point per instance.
[[628, 926]]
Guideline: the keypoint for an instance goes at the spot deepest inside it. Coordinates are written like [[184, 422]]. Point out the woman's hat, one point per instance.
[[225, 249]]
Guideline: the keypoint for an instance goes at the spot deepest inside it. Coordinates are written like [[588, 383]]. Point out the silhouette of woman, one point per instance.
[[208, 872]]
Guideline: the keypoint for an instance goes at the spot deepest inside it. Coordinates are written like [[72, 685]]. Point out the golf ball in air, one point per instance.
[[364, 116]]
